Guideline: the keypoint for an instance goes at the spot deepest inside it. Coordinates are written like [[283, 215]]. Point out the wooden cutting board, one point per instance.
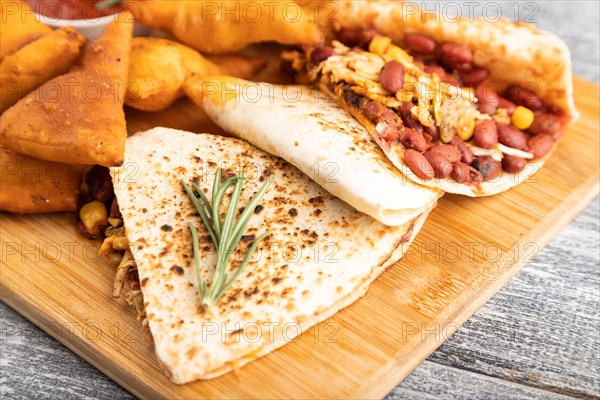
[[467, 250]]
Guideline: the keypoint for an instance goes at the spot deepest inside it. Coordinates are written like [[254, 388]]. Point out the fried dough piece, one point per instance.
[[159, 68], [228, 26], [37, 62], [78, 117], [18, 26], [30, 185]]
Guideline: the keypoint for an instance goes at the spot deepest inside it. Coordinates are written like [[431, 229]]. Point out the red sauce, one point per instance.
[[71, 9]]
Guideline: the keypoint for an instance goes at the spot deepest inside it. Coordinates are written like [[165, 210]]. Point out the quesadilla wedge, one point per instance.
[[470, 107], [314, 134], [285, 289]]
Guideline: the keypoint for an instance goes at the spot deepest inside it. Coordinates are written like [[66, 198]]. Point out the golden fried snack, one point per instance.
[[228, 26], [37, 62], [159, 68], [78, 117], [18, 26], [30, 185]]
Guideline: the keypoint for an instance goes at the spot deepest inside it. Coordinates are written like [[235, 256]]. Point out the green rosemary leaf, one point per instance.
[[225, 234], [202, 212], [203, 198], [251, 250], [249, 210], [201, 283]]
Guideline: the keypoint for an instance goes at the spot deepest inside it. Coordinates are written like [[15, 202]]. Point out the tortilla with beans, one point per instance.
[[472, 108]]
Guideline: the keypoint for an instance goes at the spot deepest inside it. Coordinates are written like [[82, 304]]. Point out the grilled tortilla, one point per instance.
[[443, 92], [287, 287], [308, 130]]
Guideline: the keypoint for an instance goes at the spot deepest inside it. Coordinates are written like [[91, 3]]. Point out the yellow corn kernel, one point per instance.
[[522, 118], [398, 54], [466, 126], [379, 45], [94, 216]]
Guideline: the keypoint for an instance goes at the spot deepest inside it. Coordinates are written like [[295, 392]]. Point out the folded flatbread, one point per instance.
[[311, 132], [411, 69], [285, 289], [77, 117]]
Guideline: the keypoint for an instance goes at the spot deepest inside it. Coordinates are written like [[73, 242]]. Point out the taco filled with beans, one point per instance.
[[470, 107]]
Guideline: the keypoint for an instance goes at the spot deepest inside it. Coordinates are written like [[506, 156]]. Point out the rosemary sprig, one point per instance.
[[104, 4], [225, 234]]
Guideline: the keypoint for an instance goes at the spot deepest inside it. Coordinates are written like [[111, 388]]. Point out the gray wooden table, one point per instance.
[[539, 337]]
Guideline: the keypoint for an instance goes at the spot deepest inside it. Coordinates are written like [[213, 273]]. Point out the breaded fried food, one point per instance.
[[18, 26], [30, 185], [159, 68], [37, 62], [78, 117], [228, 26]]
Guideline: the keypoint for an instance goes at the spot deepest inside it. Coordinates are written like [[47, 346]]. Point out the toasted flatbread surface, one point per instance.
[[321, 254], [308, 130], [78, 117]]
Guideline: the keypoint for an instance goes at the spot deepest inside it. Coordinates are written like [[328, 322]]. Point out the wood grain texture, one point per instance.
[[461, 258]]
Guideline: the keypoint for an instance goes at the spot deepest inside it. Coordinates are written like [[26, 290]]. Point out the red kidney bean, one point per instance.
[[460, 67], [418, 164], [487, 167], [441, 166], [511, 136], [487, 94], [320, 54], [390, 134], [460, 172], [540, 145], [447, 150], [391, 76], [420, 43], [486, 134], [487, 99], [366, 36], [487, 108], [115, 212], [435, 69], [99, 184], [349, 37], [432, 131], [513, 164], [408, 119], [456, 52], [547, 124], [475, 77], [451, 80], [466, 155], [411, 139], [524, 97], [508, 105]]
